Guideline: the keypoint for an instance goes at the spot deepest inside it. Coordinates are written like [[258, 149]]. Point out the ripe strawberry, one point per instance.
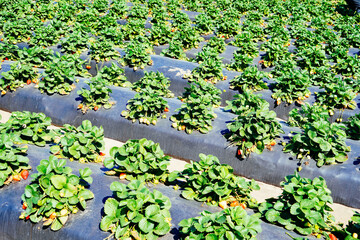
[[24, 206], [80, 106], [28, 38], [16, 177], [88, 67], [239, 152], [272, 143], [28, 82], [166, 110], [183, 127], [234, 204], [96, 108], [332, 237], [102, 154], [53, 215], [27, 218], [6, 59], [243, 205], [24, 174], [1, 39], [122, 176], [223, 204]]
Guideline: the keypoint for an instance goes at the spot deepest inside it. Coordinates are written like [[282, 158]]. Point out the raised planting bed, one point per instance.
[[85, 224], [269, 167]]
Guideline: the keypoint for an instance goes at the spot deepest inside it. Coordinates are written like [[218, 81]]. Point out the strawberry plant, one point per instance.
[[251, 79], [353, 127], [113, 75], [349, 66], [160, 34], [138, 11], [217, 44], [227, 27], [211, 182], [204, 24], [45, 36], [114, 35], [139, 159], [188, 37], [135, 212], [196, 114], [275, 52], [180, 19], [240, 61], [323, 76], [12, 160], [159, 16], [254, 131], [202, 89], [322, 141], [352, 229], [175, 51], [303, 205], [231, 223], [248, 48], [55, 193], [133, 28], [103, 50], [73, 62], [98, 95], [291, 87], [36, 55], [18, 30], [206, 52], [154, 82], [283, 67], [312, 57], [57, 78], [19, 75], [9, 51], [210, 70], [82, 144], [137, 55], [118, 9], [244, 103], [307, 114], [76, 42], [101, 5], [30, 127], [338, 95], [146, 107]]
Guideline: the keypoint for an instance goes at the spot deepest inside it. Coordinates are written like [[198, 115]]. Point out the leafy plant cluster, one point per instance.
[[231, 223], [303, 206], [154, 82], [322, 141], [135, 212], [254, 131], [114, 75], [19, 75], [307, 115], [138, 159], [97, 96], [29, 128], [54, 193], [146, 107], [137, 55], [83, 144], [251, 79], [214, 183], [14, 165], [195, 115]]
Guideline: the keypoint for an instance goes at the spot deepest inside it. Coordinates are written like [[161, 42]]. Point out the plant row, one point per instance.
[[134, 212]]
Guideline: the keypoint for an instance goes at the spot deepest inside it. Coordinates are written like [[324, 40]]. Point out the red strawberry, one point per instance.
[[24, 174]]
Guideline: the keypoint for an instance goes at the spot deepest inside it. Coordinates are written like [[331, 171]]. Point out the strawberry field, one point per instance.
[[267, 90]]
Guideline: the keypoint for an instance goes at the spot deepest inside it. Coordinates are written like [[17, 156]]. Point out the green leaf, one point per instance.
[[111, 206], [56, 225], [145, 225], [106, 222], [272, 215], [151, 210], [58, 181]]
